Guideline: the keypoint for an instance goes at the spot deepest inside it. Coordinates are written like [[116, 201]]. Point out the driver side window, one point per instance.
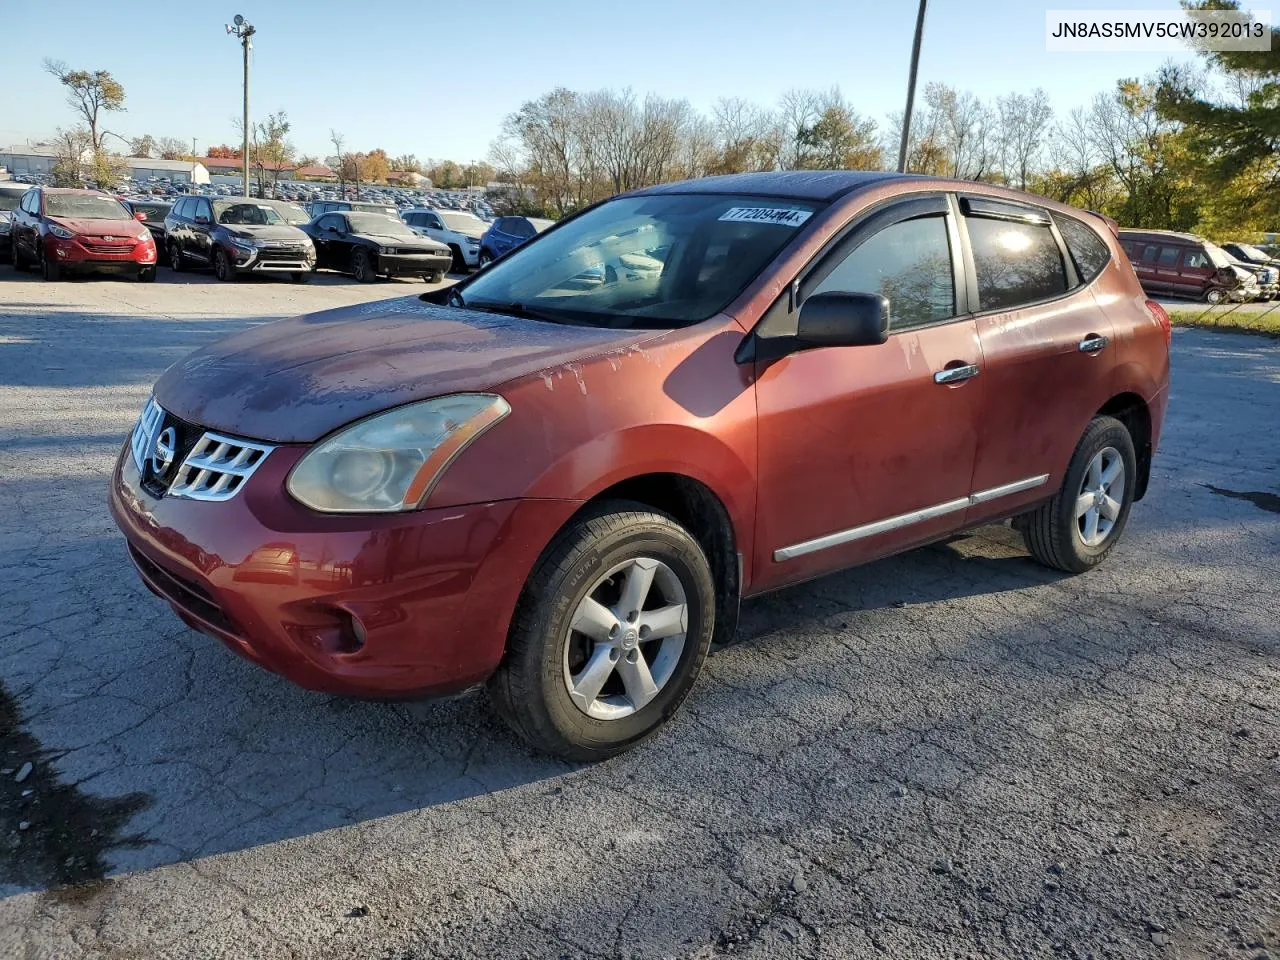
[[908, 262]]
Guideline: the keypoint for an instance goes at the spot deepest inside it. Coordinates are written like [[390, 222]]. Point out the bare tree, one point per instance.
[[172, 148], [73, 159], [339, 144], [1024, 123], [89, 94]]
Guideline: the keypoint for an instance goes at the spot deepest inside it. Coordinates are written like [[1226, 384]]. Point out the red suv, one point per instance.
[[561, 475], [63, 230]]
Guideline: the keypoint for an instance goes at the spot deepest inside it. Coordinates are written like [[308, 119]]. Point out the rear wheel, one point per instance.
[[362, 268], [222, 267], [609, 635], [1083, 522]]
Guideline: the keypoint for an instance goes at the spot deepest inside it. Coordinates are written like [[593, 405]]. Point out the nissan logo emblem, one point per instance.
[[163, 451]]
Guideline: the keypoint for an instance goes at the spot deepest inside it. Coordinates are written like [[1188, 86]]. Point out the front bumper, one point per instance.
[[414, 263], [385, 606], [83, 252], [267, 260]]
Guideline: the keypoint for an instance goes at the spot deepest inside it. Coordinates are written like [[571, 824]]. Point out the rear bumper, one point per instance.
[[390, 606]]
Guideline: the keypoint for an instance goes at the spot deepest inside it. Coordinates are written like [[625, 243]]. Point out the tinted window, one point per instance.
[[907, 262], [1149, 253], [1088, 250], [1016, 263], [327, 221], [521, 227], [31, 201], [1168, 256], [434, 221]]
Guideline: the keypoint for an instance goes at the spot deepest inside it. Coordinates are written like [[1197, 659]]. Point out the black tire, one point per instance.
[[1052, 531], [15, 256], [1214, 296], [434, 277], [147, 275], [459, 264], [50, 269], [529, 690], [177, 259], [486, 258], [362, 267], [223, 269], [300, 276]]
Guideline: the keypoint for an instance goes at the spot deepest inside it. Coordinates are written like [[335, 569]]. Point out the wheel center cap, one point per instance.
[[629, 640]]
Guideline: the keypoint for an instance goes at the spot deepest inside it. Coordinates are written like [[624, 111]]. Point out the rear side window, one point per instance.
[[1149, 253], [1017, 263], [1087, 249], [1169, 256], [909, 263]]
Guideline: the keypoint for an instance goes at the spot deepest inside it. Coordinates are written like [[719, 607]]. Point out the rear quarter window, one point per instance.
[[1088, 250], [1017, 263]]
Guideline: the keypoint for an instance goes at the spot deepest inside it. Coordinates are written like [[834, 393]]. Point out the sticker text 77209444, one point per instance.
[[784, 216]]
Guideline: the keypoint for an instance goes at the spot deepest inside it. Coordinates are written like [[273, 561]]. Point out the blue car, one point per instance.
[[507, 233]]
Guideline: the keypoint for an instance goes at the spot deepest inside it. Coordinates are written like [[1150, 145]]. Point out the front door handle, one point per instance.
[[956, 374], [1092, 343]]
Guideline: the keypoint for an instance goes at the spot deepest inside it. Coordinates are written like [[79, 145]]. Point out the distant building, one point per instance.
[[315, 171], [179, 171], [234, 167], [30, 159]]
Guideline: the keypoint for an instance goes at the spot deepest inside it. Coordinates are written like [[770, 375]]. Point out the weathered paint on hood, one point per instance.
[[93, 227], [293, 381]]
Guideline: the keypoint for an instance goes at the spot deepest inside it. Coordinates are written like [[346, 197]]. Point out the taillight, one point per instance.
[[1161, 316]]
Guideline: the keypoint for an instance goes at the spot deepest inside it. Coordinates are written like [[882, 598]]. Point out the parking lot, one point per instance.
[[950, 753]]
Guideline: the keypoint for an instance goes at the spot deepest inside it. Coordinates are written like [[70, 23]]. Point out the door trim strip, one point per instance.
[[841, 537]]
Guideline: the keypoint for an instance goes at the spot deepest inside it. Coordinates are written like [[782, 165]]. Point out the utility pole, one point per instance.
[[242, 29], [911, 89]]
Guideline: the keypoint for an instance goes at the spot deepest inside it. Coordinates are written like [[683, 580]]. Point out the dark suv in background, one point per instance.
[[1267, 267], [236, 236]]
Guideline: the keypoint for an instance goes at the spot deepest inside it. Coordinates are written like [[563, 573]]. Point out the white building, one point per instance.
[[179, 171]]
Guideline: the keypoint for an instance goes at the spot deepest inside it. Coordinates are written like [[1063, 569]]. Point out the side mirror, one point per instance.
[[834, 319], [843, 320], [139, 215]]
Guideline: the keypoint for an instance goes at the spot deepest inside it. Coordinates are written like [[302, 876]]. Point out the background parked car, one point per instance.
[[507, 233], [10, 197], [154, 212], [370, 245], [59, 229], [321, 207], [1181, 265], [1252, 256], [456, 229], [237, 236]]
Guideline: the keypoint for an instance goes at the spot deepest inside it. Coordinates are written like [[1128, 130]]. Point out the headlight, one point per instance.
[[60, 232], [386, 249], [244, 244], [390, 462], [473, 241]]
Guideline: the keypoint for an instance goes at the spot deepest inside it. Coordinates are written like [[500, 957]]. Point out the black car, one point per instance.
[[154, 212], [236, 236], [369, 245]]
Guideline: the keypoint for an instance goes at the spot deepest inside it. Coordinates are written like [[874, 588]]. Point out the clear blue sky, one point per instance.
[[391, 76]]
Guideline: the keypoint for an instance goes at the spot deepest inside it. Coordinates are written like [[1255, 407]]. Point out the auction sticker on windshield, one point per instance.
[[785, 216]]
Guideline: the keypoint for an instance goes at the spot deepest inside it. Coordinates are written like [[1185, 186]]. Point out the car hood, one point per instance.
[[274, 231], [87, 227], [293, 381]]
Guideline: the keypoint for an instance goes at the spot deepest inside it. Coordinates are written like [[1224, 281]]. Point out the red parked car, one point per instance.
[[62, 230], [560, 476]]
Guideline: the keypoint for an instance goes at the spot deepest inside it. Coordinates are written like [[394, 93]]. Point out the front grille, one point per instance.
[[280, 256], [201, 464], [217, 467], [107, 248], [186, 593]]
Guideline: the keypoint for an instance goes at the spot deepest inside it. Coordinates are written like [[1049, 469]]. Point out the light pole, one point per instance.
[[242, 29], [911, 89]]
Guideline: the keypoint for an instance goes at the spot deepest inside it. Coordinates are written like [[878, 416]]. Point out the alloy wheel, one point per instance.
[[1100, 497], [625, 639]]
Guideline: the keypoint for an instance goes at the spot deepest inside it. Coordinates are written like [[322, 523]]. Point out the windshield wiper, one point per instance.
[[512, 308]]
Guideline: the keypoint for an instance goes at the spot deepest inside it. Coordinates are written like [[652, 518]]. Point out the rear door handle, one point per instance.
[[1092, 343], [956, 374]]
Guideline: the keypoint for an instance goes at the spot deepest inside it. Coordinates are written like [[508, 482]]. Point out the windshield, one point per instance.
[[88, 206], [292, 213], [1253, 253], [462, 222], [656, 261], [248, 214], [379, 223]]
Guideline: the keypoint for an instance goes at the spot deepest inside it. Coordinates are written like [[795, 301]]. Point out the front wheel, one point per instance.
[[1214, 296], [300, 276], [459, 264], [362, 268], [434, 277], [609, 634], [50, 269], [1083, 522], [486, 258], [15, 254], [177, 260], [147, 275], [222, 268]]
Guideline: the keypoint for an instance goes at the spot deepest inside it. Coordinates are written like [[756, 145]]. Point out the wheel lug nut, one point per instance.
[[632, 616], [633, 656], [644, 633], [614, 631], [613, 654]]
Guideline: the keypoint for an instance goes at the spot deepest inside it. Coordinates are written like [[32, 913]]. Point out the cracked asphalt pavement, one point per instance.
[[953, 753]]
